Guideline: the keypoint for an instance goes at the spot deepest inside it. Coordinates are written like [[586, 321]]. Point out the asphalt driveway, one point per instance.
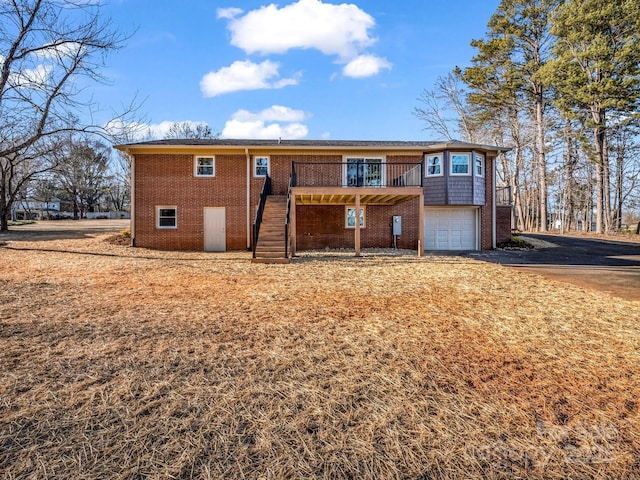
[[604, 265]]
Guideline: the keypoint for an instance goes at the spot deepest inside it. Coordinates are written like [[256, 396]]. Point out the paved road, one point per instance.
[[605, 265]]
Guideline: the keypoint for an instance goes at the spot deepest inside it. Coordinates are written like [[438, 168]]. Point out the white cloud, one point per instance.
[[64, 49], [35, 78], [365, 66], [274, 122], [244, 76], [160, 130], [126, 131], [275, 113], [229, 13], [136, 132], [341, 30]]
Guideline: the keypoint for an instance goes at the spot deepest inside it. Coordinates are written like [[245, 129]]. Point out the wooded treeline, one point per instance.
[[558, 81], [51, 53]]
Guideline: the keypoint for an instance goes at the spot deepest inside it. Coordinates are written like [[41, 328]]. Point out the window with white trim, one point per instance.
[[478, 165], [350, 217], [205, 166], [260, 166], [459, 163], [434, 165], [166, 217]]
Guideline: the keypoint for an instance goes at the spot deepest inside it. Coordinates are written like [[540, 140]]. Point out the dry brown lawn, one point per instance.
[[129, 363]]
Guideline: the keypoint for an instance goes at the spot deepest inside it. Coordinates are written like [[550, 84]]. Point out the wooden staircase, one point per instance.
[[270, 246]]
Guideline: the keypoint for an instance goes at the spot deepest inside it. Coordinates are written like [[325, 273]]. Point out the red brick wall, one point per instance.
[[168, 179], [486, 212], [503, 223], [321, 226]]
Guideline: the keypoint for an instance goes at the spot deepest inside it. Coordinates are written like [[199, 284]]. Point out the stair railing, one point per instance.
[[264, 193]]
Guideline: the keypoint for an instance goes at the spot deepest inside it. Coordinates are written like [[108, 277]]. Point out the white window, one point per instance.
[[166, 217], [350, 220], [434, 165], [260, 166], [460, 164], [205, 166], [364, 172], [479, 165]]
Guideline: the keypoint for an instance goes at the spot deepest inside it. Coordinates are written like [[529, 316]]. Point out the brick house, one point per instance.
[[278, 197]]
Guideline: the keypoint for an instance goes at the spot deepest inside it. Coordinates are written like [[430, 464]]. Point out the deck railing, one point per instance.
[[266, 191], [503, 196], [357, 174]]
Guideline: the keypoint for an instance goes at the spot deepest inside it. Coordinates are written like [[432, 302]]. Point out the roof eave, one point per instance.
[[360, 146]]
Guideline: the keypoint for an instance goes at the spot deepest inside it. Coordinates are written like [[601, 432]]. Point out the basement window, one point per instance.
[[350, 217], [205, 166], [166, 217]]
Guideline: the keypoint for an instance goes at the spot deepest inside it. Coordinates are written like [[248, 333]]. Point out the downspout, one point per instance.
[[132, 199], [246, 152], [493, 205]]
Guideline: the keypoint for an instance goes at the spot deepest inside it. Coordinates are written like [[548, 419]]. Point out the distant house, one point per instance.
[[308, 194], [31, 209]]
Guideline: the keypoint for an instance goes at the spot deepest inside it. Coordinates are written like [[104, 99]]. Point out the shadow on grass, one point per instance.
[[118, 255]]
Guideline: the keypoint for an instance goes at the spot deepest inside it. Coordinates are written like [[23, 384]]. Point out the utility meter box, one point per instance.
[[397, 225]]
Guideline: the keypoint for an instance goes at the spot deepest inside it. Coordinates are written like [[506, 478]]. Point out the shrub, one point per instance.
[[516, 243]]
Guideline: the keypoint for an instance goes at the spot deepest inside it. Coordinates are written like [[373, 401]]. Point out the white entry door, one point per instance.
[[215, 232], [450, 228]]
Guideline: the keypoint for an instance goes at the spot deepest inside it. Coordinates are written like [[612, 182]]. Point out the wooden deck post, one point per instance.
[[421, 225], [357, 231], [292, 224]]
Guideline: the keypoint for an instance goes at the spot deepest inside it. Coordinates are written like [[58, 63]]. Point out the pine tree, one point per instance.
[[506, 73], [596, 73]]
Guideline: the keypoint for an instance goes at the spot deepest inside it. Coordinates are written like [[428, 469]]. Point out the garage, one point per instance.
[[450, 228]]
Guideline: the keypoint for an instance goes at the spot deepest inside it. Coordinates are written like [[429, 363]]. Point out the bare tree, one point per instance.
[[119, 187], [445, 110], [82, 173], [186, 130], [18, 169], [49, 50]]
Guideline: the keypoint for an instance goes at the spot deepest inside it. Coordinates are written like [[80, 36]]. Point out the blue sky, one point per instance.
[[313, 69]]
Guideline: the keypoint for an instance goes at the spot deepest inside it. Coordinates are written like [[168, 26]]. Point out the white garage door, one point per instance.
[[450, 228]]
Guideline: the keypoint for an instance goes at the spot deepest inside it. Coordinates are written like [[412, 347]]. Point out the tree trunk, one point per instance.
[[599, 198], [542, 162], [4, 211], [599, 138], [606, 187], [619, 198], [4, 204], [75, 208]]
